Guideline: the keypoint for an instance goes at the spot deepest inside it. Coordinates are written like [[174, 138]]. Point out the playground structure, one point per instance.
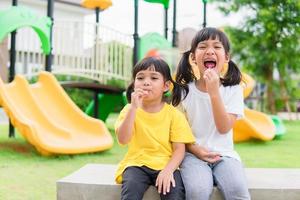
[[22, 17], [112, 63], [49, 120], [42, 112], [76, 50]]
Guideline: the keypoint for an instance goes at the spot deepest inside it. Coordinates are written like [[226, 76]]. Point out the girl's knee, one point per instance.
[[130, 183], [132, 189], [176, 193], [198, 191], [236, 190], [239, 191]]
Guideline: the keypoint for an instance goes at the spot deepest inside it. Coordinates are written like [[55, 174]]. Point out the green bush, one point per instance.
[[81, 97]]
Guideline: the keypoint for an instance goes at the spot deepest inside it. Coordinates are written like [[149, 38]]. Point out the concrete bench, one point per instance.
[[96, 181]]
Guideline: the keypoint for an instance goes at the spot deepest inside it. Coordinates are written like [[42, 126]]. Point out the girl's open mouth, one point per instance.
[[210, 64]]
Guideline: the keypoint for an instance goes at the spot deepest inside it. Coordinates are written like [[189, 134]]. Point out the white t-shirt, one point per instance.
[[197, 107]]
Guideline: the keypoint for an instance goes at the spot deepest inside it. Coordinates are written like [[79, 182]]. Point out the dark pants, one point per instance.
[[136, 180]]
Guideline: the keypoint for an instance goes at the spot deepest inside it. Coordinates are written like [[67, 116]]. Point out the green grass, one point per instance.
[[278, 153], [26, 175]]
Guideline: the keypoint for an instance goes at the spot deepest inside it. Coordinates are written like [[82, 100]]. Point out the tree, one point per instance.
[[267, 40]]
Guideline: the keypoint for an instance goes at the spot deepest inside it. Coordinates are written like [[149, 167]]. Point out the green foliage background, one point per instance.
[[268, 40]]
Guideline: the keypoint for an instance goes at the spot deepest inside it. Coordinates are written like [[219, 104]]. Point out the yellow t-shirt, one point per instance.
[[153, 134]]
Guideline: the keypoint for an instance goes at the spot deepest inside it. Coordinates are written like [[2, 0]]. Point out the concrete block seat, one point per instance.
[[96, 181]]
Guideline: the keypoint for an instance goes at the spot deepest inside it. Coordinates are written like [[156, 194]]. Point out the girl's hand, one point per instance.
[[164, 180], [208, 156], [137, 97], [203, 153], [212, 81]]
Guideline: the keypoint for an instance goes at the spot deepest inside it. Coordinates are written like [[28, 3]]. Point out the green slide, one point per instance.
[[107, 103], [280, 128], [17, 17]]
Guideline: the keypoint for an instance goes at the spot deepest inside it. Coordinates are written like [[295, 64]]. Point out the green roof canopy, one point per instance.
[[18, 17], [164, 2]]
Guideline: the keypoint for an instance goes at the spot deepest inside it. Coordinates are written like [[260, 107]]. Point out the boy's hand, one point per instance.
[[137, 97], [164, 180]]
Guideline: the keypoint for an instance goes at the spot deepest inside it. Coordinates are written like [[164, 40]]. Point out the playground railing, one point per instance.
[[79, 48]]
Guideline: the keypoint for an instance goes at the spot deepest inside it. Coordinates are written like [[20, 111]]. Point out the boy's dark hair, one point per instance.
[[158, 65], [185, 73]]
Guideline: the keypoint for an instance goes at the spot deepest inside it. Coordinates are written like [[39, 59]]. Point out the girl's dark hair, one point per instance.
[[185, 73], [160, 66]]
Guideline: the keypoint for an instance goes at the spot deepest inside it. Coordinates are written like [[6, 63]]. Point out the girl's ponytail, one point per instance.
[[176, 93], [233, 75], [129, 90], [184, 76], [185, 73]]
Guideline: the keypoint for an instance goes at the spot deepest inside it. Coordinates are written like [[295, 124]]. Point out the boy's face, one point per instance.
[[152, 83], [210, 54]]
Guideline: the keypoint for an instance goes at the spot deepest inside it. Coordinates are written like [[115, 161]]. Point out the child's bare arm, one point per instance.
[[223, 120], [202, 153], [165, 177], [124, 132]]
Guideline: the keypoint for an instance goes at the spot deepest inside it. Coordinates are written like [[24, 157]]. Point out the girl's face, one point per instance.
[[152, 82], [210, 54]]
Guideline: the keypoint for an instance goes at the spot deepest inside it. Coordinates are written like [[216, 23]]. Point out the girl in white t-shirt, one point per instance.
[[212, 104]]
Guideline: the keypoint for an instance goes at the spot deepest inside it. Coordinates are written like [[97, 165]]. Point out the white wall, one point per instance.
[[61, 11]]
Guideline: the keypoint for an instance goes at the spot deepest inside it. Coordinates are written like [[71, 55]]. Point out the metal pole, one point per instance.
[[12, 72], [50, 8], [135, 34], [166, 23], [174, 25], [204, 13], [96, 93], [97, 14], [13, 51]]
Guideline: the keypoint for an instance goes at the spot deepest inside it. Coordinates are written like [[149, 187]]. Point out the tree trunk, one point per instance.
[[270, 94], [283, 91]]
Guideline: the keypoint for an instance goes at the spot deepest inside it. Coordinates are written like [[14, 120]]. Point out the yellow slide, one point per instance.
[[255, 124], [45, 115], [248, 84]]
